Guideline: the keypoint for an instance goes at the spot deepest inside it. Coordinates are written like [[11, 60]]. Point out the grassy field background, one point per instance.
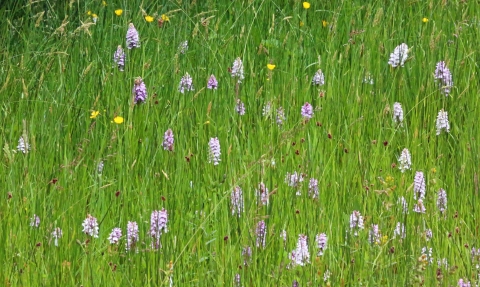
[[57, 68]]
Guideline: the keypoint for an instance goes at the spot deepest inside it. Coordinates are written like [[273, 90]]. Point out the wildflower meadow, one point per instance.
[[240, 143]]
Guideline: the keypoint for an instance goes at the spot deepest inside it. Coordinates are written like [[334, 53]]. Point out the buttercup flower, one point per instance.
[[94, 114], [384, 239], [133, 39], [399, 55], [139, 91], [425, 20], [306, 5], [149, 18], [270, 67], [94, 18], [119, 58], [324, 23], [119, 12], [118, 120], [165, 18]]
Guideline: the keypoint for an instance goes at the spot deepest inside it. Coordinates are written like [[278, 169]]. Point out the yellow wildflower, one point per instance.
[[324, 23], [149, 18], [94, 114], [271, 66], [433, 170], [384, 239], [119, 12], [118, 120], [301, 24], [165, 18], [306, 5], [104, 3], [89, 13], [425, 20]]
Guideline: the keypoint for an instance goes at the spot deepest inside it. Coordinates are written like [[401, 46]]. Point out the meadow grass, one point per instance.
[[57, 68]]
